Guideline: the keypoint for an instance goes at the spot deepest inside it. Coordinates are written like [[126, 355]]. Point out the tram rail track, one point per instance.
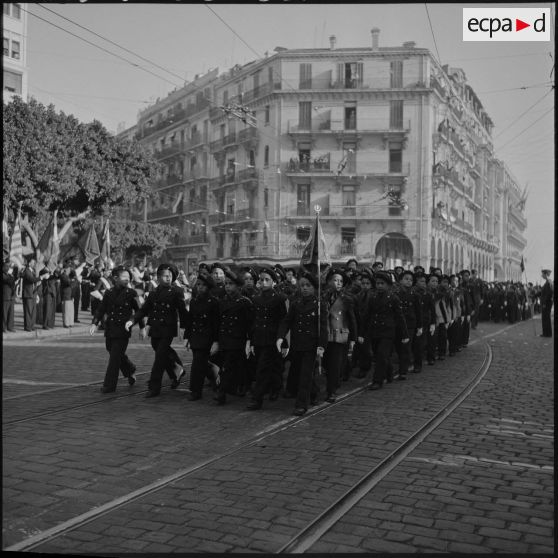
[[315, 529]]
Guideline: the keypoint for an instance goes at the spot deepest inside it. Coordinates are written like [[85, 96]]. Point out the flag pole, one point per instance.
[[317, 209]]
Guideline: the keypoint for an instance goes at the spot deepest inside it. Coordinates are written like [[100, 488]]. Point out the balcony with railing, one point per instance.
[[317, 165], [169, 151], [169, 180], [246, 174], [194, 205], [347, 249], [247, 135], [195, 239], [326, 125]]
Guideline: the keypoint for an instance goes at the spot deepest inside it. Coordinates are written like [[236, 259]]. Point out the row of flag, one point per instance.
[[14, 248]]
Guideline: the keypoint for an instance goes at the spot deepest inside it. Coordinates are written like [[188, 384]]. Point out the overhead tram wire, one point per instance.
[[101, 48], [525, 129], [523, 87], [113, 43], [433, 35], [522, 114]]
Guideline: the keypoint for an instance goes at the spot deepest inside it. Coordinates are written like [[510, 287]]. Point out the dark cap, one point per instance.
[[234, 277], [218, 265], [546, 271], [170, 267], [418, 269], [384, 276], [377, 264], [251, 271], [464, 271], [337, 271], [280, 272], [310, 277], [205, 278], [119, 269], [270, 272]]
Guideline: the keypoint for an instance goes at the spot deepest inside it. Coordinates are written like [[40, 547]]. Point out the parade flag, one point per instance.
[[16, 247], [89, 245], [49, 245], [5, 238], [315, 252], [522, 265], [105, 245]]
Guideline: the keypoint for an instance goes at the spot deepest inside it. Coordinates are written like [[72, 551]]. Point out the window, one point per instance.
[[305, 76], [395, 158], [6, 9], [396, 115], [305, 115], [16, 11], [270, 74], [266, 156], [266, 115], [396, 71], [6, 47], [348, 236], [230, 170], [350, 151], [222, 131], [15, 50], [12, 82], [252, 158], [350, 116], [256, 81], [303, 199], [225, 97], [350, 75], [349, 200]]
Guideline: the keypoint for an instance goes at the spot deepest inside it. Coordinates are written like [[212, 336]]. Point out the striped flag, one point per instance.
[[16, 248], [89, 245], [105, 246], [49, 245]]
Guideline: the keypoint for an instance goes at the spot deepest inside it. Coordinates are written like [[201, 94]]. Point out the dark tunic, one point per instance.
[[119, 304], [269, 310], [202, 322]]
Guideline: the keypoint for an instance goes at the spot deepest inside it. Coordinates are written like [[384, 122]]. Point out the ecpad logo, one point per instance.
[[506, 24]]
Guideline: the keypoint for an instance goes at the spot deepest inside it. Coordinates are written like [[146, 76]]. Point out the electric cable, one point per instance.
[[525, 129]]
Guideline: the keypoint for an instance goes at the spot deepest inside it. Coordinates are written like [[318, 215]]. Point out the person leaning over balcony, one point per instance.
[[342, 330], [384, 316], [268, 311], [119, 304], [308, 337], [163, 308], [547, 299], [201, 332]]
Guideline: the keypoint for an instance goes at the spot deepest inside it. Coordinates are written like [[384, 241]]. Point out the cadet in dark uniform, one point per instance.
[[163, 308], [428, 311], [547, 299], [235, 313], [269, 310], [49, 298], [29, 280], [412, 312], [362, 353], [308, 329], [342, 331], [468, 306], [201, 332], [383, 317], [9, 274], [119, 304]]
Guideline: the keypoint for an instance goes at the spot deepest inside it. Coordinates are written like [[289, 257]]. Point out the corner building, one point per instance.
[[395, 150]]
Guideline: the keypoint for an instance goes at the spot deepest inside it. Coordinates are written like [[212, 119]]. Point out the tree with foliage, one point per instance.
[[54, 164]]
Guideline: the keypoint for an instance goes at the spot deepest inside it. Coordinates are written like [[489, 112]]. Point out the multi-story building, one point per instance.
[[14, 36], [395, 150]]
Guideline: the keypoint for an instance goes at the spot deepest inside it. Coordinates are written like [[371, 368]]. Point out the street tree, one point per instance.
[[56, 165]]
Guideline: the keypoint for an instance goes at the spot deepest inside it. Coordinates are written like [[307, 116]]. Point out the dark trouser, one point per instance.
[[232, 370], [334, 363], [405, 352], [49, 311], [364, 356], [454, 336], [76, 309], [431, 344], [442, 340], [303, 364], [173, 360], [118, 360], [85, 290], [465, 332], [419, 343], [293, 377], [162, 362], [199, 370], [545, 318], [94, 305], [382, 353], [475, 316], [39, 311], [8, 314], [29, 314], [268, 367]]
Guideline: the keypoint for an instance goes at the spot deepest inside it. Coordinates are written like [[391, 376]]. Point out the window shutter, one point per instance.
[[360, 73], [341, 74]]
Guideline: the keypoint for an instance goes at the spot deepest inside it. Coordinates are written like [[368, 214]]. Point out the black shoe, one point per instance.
[[105, 389], [254, 406], [331, 398], [176, 382], [151, 393], [452, 354], [288, 395], [299, 412], [313, 401], [375, 385], [132, 379], [417, 369], [401, 377], [430, 362], [361, 374], [274, 395], [441, 357], [194, 396], [221, 398], [241, 391]]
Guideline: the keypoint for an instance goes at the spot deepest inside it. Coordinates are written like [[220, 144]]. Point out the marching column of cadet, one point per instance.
[[248, 330]]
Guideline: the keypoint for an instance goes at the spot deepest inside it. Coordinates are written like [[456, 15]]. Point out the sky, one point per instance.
[[176, 41]]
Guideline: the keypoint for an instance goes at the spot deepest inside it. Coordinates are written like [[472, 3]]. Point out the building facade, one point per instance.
[[14, 61], [394, 149]]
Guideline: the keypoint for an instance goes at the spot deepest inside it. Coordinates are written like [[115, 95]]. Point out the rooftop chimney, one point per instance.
[[375, 38], [332, 41], [409, 44]]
